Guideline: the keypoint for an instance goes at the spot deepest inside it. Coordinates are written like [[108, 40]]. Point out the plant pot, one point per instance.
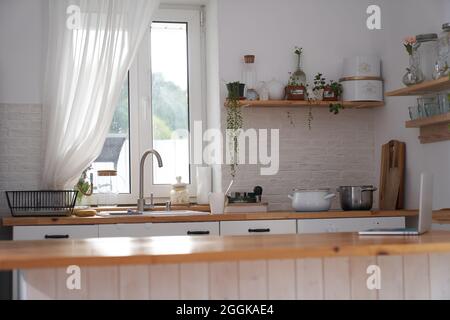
[[318, 94], [295, 92], [328, 94], [236, 90]]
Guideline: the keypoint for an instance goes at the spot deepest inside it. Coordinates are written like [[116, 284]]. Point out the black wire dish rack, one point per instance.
[[41, 203]]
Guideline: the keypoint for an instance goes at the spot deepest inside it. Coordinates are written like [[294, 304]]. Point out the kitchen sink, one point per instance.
[[152, 213]]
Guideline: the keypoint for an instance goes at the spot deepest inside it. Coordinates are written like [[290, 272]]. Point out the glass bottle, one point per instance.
[[298, 76], [413, 74], [179, 193], [443, 48], [427, 50], [249, 77]]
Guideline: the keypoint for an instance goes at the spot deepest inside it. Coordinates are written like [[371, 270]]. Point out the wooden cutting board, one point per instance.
[[392, 175]]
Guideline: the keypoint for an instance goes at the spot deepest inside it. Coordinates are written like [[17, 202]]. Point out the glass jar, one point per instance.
[[427, 51], [443, 50], [107, 188], [179, 193], [249, 77], [414, 73]]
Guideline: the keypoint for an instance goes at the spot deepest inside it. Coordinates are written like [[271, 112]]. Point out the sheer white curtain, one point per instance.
[[88, 58]]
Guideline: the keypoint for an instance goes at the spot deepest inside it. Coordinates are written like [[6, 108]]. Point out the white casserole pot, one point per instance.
[[311, 200], [362, 89], [362, 66]]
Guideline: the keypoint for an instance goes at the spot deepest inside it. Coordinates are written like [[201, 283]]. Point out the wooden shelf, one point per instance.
[[422, 122], [427, 87], [301, 103], [432, 129]]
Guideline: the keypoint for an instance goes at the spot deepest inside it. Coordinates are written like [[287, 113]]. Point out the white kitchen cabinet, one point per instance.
[[125, 230], [440, 226], [55, 232], [183, 229], [348, 224], [257, 227]]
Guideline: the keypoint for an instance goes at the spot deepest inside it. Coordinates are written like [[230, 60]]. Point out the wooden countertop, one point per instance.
[[273, 215], [182, 249]]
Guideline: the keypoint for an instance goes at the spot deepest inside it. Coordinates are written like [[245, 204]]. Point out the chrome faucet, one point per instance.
[[141, 201]]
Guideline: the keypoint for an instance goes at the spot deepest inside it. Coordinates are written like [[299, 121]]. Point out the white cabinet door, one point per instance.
[[440, 226], [183, 229], [55, 232], [125, 230], [258, 227], [348, 224]]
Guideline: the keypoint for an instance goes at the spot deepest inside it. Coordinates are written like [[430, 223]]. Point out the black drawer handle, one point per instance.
[[258, 230], [198, 233], [56, 236]]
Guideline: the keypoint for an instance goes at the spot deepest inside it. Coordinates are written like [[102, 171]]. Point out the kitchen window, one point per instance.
[[160, 101]]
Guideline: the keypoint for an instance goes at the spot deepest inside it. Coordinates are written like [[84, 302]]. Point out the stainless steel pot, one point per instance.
[[356, 197]]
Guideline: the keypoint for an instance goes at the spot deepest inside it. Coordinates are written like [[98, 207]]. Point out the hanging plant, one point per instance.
[[234, 124]]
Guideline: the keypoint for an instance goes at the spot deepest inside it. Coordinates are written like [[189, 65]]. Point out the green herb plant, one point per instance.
[[234, 124]]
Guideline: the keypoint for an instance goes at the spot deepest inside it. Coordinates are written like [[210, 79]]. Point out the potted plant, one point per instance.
[[234, 123], [319, 86], [295, 90], [333, 92]]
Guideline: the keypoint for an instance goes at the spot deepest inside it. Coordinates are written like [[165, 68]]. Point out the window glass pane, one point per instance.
[[115, 154], [170, 102]]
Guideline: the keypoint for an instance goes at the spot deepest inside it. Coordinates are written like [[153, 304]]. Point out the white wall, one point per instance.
[[410, 17], [328, 31], [21, 56]]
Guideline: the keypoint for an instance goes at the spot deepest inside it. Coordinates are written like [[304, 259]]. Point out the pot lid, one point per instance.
[[311, 190], [179, 184], [426, 37]]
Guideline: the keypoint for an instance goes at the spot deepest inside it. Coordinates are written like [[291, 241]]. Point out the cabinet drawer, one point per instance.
[[55, 232], [125, 230], [258, 227], [183, 229], [348, 224]]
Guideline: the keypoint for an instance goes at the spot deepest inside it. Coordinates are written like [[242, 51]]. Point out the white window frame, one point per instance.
[[140, 76]]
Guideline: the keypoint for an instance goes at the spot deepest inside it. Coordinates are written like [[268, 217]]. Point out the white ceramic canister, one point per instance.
[[362, 89], [276, 90], [362, 66]]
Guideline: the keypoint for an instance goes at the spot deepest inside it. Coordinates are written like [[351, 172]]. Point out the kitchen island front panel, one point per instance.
[[303, 279], [181, 249]]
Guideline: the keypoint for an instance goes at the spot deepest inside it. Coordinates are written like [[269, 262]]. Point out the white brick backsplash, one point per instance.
[[20, 149], [339, 150]]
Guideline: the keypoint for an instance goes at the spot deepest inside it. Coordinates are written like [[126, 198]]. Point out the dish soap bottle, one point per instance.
[[179, 193]]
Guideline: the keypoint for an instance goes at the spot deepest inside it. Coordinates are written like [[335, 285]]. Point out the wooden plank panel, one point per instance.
[[253, 280], [62, 290], [309, 274], [416, 277], [103, 283], [224, 281], [194, 281], [440, 276], [359, 276], [38, 284], [165, 282], [391, 277], [336, 272], [134, 282], [281, 276]]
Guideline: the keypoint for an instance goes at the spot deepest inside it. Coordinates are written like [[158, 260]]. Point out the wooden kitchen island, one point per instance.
[[296, 266]]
